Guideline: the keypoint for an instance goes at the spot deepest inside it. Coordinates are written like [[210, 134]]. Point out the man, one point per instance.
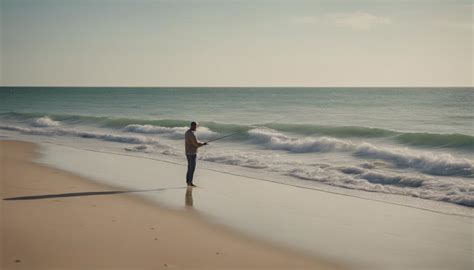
[[191, 145]]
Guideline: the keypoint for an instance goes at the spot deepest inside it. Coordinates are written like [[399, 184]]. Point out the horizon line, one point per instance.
[[200, 86]]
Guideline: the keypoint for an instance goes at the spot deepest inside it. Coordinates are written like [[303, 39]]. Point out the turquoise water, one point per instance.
[[435, 110], [414, 142]]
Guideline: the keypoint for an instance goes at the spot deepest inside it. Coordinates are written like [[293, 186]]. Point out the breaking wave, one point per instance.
[[419, 139], [236, 159], [437, 140], [44, 122], [435, 164], [150, 149], [174, 132], [424, 161], [427, 162], [368, 176], [277, 141], [396, 170], [452, 191], [133, 139]]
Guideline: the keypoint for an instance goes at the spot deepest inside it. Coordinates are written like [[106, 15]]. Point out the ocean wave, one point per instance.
[[133, 139], [44, 122], [335, 131], [373, 176], [435, 164], [427, 162], [237, 159], [174, 132], [277, 141], [150, 149], [68, 118], [419, 139], [352, 170], [424, 161], [394, 180], [454, 140], [452, 191], [139, 148]]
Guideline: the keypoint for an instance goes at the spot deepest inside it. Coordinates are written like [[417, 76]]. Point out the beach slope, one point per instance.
[[54, 219]]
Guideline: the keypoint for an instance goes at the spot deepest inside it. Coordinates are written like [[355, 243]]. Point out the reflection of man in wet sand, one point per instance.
[[191, 146], [188, 198]]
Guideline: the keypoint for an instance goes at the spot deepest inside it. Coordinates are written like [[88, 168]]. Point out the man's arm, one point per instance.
[[195, 142]]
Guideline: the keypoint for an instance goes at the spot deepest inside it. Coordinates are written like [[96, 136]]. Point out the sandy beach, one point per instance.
[[66, 223], [218, 135]]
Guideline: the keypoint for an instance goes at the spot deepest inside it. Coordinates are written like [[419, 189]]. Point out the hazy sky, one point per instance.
[[236, 43]]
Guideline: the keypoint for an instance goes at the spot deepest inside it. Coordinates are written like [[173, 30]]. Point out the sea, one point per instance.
[[414, 144]]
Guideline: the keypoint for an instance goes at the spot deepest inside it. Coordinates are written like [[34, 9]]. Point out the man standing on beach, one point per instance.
[[191, 145]]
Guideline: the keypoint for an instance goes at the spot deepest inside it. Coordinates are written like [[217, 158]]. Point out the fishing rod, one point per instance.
[[228, 135], [242, 131]]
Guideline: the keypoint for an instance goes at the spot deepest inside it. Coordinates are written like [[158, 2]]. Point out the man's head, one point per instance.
[[193, 126]]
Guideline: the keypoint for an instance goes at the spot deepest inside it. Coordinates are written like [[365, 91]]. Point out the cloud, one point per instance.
[[359, 21], [459, 25], [306, 20]]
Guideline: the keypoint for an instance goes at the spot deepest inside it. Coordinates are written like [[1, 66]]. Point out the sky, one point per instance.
[[236, 43]]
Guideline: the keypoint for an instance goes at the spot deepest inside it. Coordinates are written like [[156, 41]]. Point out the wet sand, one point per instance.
[[55, 219]]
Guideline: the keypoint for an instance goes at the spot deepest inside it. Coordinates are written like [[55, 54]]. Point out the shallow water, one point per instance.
[[362, 233]]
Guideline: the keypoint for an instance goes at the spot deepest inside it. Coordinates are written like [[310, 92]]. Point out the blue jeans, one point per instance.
[[191, 168]]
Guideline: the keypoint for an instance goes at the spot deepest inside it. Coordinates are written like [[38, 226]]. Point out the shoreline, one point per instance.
[[37, 230], [448, 208], [112, 148], [362, 234], [350, 231]]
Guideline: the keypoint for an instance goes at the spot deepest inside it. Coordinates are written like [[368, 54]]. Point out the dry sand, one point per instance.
[[113, 231]]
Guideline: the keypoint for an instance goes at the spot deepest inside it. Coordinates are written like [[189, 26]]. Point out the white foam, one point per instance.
[[139, 148], [427, 162], [167, 150], [436, 164], [396, 180], [44, 122], [132, 139], [174, 132], [277, 141], [238, 159], [374, 176], [454, 191]]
